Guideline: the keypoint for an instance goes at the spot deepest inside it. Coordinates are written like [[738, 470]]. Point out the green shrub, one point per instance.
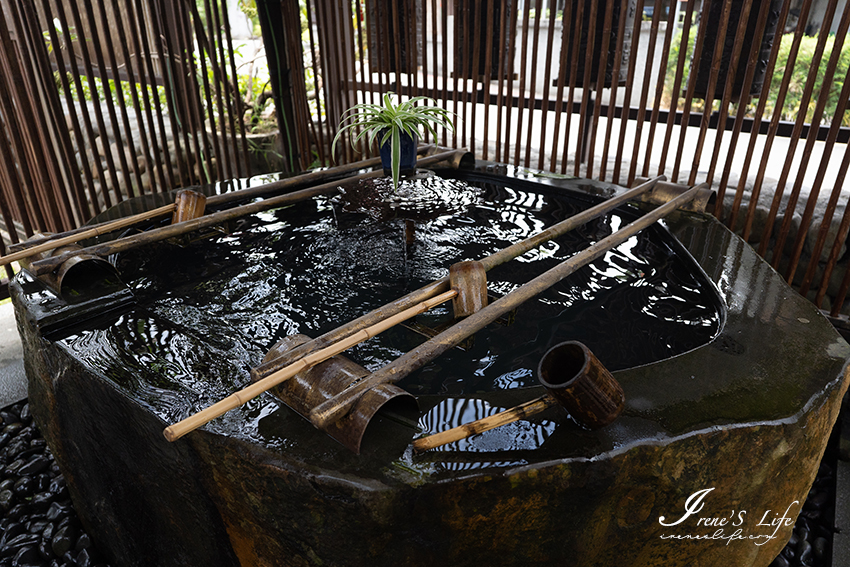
[[791, 107], [794, 97]]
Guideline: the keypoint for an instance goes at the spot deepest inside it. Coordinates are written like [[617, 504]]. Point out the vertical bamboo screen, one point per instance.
[[611, 90], [103, 100], [606, 89]]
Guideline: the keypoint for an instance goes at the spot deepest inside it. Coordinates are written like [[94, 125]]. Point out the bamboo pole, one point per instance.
[[128, 243], [336, 407], [181, 428], [465, 430], [50, 242], [439, 286], [33, 247]]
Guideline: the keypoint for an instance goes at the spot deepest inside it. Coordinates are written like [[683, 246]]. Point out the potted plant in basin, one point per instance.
[[398, 125]]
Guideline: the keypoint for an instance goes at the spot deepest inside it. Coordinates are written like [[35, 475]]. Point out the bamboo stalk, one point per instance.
[[128, 243], [181, 428], [34, 247], [50, 243], [495, 259], [336, 407], [511, 415]]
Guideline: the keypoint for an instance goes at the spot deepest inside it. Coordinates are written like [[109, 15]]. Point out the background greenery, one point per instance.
[[793, 103]]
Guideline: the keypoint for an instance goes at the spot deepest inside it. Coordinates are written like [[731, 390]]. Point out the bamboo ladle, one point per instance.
[[181, 428], [573, 377]]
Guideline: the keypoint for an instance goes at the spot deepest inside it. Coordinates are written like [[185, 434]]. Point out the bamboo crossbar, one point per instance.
[[181, 428], [32, 247], [489, 262], [128, 243], [335, 408], [51, 243]]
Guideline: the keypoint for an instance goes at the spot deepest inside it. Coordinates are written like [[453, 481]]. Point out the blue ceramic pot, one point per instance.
[[408, 154]]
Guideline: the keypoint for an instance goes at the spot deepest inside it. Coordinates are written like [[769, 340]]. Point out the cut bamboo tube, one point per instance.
[[516, 413], [338, 406], [155, 235], [181, 428], [439, 286]]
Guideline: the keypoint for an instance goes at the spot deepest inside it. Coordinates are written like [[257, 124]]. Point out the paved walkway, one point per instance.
[[13, 383]]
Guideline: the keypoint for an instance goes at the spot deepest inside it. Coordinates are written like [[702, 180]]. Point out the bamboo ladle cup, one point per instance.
[[573, 377]]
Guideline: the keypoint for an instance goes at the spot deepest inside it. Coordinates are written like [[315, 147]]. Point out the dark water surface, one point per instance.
[[207, 311]]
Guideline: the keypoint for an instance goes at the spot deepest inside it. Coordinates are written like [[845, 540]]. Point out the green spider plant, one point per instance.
[[392, 120]]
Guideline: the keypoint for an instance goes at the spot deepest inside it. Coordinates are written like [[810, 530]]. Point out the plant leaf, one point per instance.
[[396, 156]]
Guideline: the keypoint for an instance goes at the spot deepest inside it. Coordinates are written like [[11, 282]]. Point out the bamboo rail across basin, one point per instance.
[[128, 243], [32, 247]]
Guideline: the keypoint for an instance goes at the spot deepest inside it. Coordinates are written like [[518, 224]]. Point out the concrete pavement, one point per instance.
[[13, 381]]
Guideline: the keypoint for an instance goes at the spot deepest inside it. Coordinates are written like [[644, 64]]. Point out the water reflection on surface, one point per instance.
[[452, 412], [208, 311]]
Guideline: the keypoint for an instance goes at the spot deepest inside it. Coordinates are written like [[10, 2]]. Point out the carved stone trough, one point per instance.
[[708, 464]]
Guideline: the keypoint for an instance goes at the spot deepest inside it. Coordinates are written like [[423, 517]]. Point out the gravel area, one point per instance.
[[38, 523]]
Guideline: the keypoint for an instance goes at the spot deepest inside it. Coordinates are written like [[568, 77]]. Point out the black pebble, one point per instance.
[[23, 486], [10, 532], [8, 417], [806, 554], [83, 559], [27, 556], [62, 540], [35, 465], [7, 499], [83, 542], [44, 550], [821, 546]]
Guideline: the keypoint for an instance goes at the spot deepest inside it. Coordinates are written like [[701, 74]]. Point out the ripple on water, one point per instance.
[[210, 310]]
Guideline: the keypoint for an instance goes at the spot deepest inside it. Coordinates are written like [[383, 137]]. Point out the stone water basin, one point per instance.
[[732, 385]]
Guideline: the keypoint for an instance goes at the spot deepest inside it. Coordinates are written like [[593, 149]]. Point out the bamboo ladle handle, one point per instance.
[[511, 415], [181, 428]]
